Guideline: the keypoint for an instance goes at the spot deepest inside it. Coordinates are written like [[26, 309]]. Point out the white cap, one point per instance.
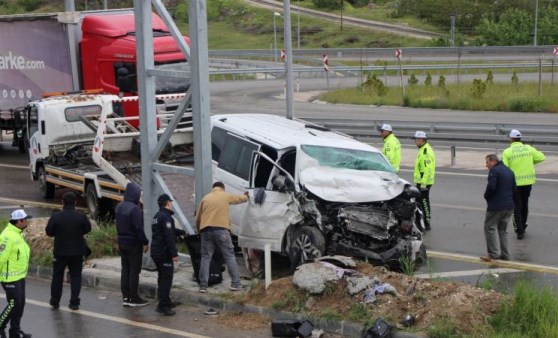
[[386, 127], [420, 134], [514, 133], [19, 214]]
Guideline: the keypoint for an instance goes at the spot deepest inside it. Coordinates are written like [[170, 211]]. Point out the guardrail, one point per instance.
[[443, 131], [408, 53], [278, 72]]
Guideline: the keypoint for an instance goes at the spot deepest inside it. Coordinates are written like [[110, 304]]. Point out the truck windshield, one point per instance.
[[168, 85], [348, 158]]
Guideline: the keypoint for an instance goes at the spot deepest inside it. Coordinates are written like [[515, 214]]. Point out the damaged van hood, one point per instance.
[[351, 186]]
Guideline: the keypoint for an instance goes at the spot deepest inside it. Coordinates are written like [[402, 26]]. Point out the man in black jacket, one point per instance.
[[132, 244], [499, 199], [68, 228], [164, 253]]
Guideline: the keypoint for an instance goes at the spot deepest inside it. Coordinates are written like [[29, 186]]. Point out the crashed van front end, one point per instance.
[[363, 208]]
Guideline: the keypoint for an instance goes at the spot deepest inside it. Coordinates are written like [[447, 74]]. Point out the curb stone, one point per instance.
[[149, 290]]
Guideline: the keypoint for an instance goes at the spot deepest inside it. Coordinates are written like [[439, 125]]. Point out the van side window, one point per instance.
[[236, 156], [218, 136]]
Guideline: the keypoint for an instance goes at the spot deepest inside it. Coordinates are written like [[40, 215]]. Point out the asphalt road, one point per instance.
[[457, 203], [102, 315]]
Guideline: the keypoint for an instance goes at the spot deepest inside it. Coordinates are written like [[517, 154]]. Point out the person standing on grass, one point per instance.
[[164, 252], [214, 226], [425, 170], [68, 228], [521, 159], [14, 263], [499, 194], [392, 146], [132, 244]]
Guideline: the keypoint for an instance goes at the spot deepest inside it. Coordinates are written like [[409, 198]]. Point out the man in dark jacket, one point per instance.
[[499, 199], [68, 228], [132, 243], [164, 253]]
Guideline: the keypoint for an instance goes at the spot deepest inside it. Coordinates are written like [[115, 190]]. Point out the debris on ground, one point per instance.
[[399, 299]]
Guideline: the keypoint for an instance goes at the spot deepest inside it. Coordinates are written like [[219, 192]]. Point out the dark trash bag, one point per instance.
[[379, 329], [193, 243], [291, 328]]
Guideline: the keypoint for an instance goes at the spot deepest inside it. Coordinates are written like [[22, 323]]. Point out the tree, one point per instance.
[[514, 27]]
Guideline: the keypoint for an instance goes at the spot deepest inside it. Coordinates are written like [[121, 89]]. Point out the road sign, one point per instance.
[[398, 53], [326, 63], [555, 51], [283, 55]]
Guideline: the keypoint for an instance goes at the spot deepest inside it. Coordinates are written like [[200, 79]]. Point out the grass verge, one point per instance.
[[522, 97]]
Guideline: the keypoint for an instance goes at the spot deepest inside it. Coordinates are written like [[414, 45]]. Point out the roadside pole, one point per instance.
[[398, 56], [326, 68]]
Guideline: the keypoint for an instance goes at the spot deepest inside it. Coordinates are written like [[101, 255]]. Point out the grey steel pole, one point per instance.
[[69, 6], [105, 5], [201, 115], [289, 58], [274, 38], [536, 22], [298, 26]]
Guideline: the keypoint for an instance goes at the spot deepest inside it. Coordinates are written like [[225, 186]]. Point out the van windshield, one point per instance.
[[168, 85], [348, 158]]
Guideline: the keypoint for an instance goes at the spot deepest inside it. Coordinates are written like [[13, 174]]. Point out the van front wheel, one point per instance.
[[308, 244]]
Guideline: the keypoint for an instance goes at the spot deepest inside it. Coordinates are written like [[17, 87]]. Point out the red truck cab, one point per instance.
[[108, 57]]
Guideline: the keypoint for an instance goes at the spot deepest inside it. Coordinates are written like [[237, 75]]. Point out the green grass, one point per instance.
[[522, 97], [253, 29], [103, 240], [533, 312], [383, 12]]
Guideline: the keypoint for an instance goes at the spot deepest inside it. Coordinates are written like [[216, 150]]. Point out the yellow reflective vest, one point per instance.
[[521, 159], [14, 254], [392, 151], [425, 166]]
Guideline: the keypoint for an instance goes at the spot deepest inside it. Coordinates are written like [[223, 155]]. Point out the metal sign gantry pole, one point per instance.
[[197, 95]]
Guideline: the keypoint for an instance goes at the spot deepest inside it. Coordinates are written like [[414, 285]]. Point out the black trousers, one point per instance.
[[165, 274], [15, 295], [59, 264], [131, 259], [521, 200], [424, 203]]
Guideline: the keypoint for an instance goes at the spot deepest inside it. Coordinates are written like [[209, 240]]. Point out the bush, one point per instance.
[[375, 85], [412, 81], [428, 80], [327, 4], [479, 88], [442, 81], [489, 77]]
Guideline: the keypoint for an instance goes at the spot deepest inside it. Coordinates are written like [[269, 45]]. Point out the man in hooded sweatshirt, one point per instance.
[[132, 244]]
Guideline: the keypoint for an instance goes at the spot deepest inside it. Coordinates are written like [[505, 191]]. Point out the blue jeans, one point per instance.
[[221, 239]]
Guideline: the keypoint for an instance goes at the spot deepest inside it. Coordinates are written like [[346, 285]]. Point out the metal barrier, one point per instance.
[[446, 131]]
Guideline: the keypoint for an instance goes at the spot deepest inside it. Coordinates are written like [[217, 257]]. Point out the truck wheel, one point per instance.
[[308, 244], [98, 207], [21, 146], [47, 188]]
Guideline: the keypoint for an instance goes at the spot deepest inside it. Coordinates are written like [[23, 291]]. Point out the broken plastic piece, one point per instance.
[[291, 328], [210, 312]]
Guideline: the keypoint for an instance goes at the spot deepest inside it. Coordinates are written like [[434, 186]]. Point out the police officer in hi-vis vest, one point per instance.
[[521, 159], [425, 170]]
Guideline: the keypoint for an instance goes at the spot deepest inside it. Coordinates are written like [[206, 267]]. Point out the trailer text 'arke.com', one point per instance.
[[15, 62]]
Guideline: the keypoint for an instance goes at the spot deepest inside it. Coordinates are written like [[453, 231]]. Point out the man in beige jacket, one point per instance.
[[214, 226]]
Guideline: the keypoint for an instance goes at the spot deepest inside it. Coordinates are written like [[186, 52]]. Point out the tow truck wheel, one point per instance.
[[308, 244], [47, 188], [98, 207]]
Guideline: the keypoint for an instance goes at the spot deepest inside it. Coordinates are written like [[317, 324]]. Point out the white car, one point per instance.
[[314, 191]]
